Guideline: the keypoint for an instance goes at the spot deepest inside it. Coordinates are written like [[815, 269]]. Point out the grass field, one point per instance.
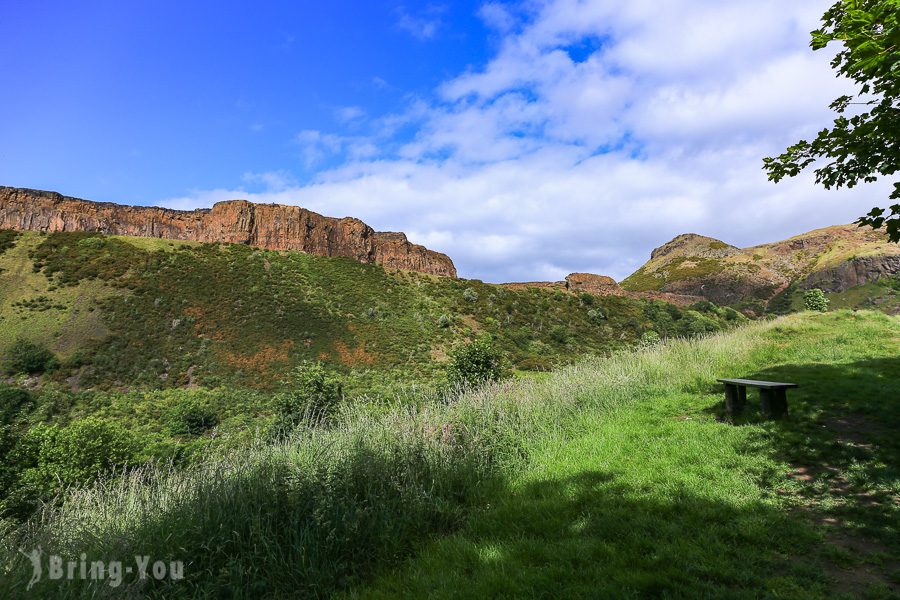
[[616, 477], [664, 498]]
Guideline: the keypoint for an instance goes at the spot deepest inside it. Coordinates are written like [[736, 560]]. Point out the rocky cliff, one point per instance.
[[833, 258], [270, 226]]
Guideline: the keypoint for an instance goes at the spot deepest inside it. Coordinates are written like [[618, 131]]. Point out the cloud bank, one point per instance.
[[597, 131]]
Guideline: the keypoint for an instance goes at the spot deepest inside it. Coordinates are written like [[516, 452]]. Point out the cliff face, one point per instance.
[[270, 226]]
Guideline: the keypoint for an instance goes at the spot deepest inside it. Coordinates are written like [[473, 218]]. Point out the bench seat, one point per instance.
[[767, 385], [772, 396]]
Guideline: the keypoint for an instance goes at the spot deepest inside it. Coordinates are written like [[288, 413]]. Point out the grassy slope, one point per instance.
[[176, 314], [63, 318], [611, 478], [661, 498], [883, 295]]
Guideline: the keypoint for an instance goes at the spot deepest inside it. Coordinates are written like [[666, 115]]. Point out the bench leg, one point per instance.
[[735, 399], [774, 403]]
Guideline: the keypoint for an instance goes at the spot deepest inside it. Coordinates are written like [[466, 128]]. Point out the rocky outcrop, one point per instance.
[[856, 271], [600, 285], [270, 226]]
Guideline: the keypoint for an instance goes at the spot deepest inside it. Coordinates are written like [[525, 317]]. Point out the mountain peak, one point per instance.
[[693, 244]]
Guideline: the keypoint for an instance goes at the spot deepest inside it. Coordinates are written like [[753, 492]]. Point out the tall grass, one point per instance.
[[315, 513]]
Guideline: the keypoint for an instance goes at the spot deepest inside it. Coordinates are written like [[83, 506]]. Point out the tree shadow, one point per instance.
[[590, 536], [841, 438]]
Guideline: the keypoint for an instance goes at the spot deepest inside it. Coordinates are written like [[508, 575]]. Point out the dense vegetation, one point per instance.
[[570, 493], [183, 349], [164, 314]]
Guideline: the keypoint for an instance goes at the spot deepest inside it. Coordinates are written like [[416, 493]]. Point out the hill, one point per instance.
[[841, 260], [616, 477], [130, 312]]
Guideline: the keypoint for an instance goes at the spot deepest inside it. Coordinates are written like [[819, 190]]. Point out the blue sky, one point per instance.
[[137, 101], [526, 140]]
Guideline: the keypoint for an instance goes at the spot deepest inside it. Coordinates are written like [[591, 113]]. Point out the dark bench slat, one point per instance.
[[768, 385]]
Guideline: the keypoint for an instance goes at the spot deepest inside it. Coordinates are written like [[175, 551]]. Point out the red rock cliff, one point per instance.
[[270, 226]]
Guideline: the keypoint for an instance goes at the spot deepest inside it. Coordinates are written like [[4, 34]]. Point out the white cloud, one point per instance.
[[545, 161], [423, 26], [346, 114]]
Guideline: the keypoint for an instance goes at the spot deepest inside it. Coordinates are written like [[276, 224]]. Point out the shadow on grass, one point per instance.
[[591, 536], [842, 438]]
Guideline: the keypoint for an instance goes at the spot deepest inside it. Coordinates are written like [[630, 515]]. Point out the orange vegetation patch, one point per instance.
[[194, 311], [356, 356], [262, 359]]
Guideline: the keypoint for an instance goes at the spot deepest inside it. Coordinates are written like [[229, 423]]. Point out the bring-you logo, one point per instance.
[[114, 573]]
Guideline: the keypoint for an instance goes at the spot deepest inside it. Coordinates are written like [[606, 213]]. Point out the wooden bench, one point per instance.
[[772, 396]]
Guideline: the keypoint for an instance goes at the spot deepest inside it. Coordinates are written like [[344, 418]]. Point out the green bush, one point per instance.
[[586, 298], [12, 399], [313, 396], [596, 316], [560, 334], [650, 338], [31, 358], [191, 417], [470, 295], [444, 322], [815, 299], [693, 323], [50, 458], [475, 363]]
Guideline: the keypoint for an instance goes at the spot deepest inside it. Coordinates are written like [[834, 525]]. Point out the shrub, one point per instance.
[[596, 316], [191, 417], [693, 323], [475, 363], [586, 299], [470, 295], [12, 399], [314, 396], [444, 322], [51, 458], [92, 243], [650, 338], [560, 334], [31, 358], [815, 299]]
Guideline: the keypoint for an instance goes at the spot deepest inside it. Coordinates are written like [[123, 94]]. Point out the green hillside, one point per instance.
[[133, 312], [615, 477]]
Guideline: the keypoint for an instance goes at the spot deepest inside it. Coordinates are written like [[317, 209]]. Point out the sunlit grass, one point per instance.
[[611, 475]]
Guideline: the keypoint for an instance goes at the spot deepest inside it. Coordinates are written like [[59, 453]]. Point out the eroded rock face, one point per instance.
[[857, 271], [270, 226], [600, 285]]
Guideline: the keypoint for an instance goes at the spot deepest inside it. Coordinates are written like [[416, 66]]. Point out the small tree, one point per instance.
[[31, 358], [815, 299], [313, 395], [475, 363], [191, 417]]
